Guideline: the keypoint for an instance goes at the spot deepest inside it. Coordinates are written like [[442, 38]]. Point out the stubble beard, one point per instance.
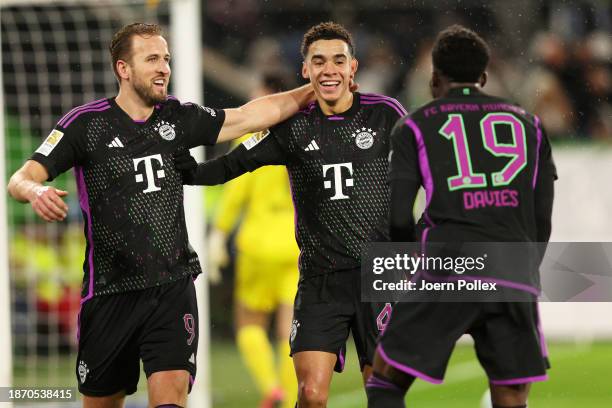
[[148, 96]]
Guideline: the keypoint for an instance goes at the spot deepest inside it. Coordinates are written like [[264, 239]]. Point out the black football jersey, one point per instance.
[[479, 159], [130, 193], [337, 169]]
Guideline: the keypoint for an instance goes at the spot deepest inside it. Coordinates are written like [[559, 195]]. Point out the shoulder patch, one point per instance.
[[50, 142], [255, 139]]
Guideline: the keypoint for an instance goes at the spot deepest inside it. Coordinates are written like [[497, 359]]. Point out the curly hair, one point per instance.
[[460, 54], [327, 31]]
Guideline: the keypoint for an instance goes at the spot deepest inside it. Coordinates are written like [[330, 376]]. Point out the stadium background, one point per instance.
[[553, 57]]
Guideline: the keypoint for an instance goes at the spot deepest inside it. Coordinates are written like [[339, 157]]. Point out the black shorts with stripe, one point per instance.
[[510, 346], [327, 308], [158, 325]]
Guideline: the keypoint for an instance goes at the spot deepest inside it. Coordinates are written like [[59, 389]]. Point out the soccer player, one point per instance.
[[488, 173], [266, 266], [138, 298], [336, 154]]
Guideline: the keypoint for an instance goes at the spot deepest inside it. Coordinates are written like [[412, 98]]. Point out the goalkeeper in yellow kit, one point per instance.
[[266, 268]]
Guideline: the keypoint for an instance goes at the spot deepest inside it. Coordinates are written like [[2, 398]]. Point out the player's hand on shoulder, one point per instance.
[[48, 204], [186, 164]]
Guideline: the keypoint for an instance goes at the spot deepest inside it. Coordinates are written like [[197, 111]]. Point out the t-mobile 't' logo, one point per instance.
[[148, 162], [337, 170]]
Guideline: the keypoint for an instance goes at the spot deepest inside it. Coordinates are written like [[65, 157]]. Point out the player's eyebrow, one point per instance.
[[153, 54], [321, 56]]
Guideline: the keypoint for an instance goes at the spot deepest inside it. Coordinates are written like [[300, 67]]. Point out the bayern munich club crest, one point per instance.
[[83, 371], [294, 327], [166, 130], [364, 138]]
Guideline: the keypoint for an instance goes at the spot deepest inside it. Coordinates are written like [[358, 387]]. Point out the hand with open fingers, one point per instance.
[[186, 164], [48, 204], [217, 255]]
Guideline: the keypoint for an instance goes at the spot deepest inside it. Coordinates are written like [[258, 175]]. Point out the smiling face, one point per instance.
[[148, 69], [330, 67]]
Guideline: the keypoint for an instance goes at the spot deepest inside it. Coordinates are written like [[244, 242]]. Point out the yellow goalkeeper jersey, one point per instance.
[[262, 202]]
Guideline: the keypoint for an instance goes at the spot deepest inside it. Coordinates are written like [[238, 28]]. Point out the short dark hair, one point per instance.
[[327, 31], [460, 54], [121, 46]]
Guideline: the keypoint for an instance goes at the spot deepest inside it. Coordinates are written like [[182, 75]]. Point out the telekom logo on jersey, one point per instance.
[[338, 181], [149, 172]]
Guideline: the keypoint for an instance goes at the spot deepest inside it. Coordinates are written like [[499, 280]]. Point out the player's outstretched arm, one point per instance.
[[261, 149], [263, 113], [25, 186], [209, 173]]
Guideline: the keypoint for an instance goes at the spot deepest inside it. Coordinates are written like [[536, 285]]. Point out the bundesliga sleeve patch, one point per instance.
[[210, 111], [50, 142], [252, 141]]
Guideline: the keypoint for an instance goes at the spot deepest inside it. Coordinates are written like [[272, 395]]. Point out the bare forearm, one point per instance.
[[272, 109], [263, 113], [22, 187], [25, 186]]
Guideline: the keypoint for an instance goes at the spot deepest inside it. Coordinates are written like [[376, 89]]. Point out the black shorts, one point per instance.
[[158, 325], [420, 338], [328, 307]]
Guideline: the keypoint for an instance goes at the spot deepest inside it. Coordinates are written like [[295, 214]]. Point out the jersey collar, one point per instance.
[[464, 91], [348, 113], [125, 118]]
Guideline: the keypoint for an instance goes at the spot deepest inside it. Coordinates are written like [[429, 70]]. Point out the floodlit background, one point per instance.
[[552, 57]]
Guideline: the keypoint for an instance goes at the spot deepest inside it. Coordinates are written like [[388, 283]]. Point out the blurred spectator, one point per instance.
[[416, 88], [595, 57], [377, 70], [542, 91]]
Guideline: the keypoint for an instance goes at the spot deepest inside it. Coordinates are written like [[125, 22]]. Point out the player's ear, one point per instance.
[[122, 69], [434, 84], [483, 79], [305, 71], [354, 66]]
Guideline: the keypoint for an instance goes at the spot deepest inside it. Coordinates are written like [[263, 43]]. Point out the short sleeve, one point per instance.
[[403, 155], [203, 124], [61, 150]]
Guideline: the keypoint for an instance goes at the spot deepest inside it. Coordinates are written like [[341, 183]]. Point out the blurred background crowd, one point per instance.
[[552, 57]]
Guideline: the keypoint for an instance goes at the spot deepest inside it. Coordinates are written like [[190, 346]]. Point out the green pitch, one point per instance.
[[579, 378]]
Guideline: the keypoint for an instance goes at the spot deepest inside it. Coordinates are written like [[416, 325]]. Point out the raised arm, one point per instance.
[[263, 113], [26, 186]]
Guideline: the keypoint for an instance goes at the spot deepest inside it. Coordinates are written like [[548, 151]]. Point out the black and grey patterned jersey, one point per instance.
[[483, 162], [130, 194], [337, 169]]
